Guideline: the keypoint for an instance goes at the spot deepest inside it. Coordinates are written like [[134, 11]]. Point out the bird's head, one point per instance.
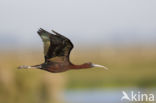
[[91, 65]]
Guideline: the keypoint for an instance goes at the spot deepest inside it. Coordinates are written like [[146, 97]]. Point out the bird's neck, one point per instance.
[[82, 66]]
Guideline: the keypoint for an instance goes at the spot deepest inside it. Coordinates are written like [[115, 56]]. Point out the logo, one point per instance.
[[137, 97]]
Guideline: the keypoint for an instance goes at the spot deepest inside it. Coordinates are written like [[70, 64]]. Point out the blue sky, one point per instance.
[[99, 22]]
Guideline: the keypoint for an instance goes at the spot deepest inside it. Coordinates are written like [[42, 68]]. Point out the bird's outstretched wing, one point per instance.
[[56, 46]]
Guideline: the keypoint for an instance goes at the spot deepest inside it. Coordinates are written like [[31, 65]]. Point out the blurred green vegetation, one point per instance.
[[128, 67]]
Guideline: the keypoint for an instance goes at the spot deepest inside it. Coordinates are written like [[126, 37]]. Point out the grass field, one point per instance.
[[128, 67]]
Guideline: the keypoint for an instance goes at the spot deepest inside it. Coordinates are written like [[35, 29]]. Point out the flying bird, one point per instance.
[[57, 50]]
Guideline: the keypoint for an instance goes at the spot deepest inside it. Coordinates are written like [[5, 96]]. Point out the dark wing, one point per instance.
[[56, 46]]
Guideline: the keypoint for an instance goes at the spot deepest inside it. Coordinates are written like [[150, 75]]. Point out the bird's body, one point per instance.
[[56, 67], [57, 49]]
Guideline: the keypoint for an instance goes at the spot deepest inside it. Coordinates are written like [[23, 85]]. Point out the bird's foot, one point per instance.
[[24, 67]]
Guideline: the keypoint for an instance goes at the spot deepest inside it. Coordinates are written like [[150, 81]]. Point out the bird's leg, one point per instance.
[[28, 67], [24, 67]]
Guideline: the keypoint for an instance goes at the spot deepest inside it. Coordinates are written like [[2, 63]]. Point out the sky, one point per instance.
[[85, 22]]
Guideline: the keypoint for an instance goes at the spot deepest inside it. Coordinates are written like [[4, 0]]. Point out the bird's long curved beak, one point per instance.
[[101, 66]]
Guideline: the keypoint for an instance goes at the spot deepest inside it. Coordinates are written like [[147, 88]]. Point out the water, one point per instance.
[[101, 96]]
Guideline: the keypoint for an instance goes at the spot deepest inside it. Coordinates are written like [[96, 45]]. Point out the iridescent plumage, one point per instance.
[[57, 49]]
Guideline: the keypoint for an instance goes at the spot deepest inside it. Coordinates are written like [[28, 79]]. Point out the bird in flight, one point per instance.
[[57, 50]]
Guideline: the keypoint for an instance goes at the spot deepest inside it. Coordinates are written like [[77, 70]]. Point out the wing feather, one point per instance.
[[46, 39], [56, 46]]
